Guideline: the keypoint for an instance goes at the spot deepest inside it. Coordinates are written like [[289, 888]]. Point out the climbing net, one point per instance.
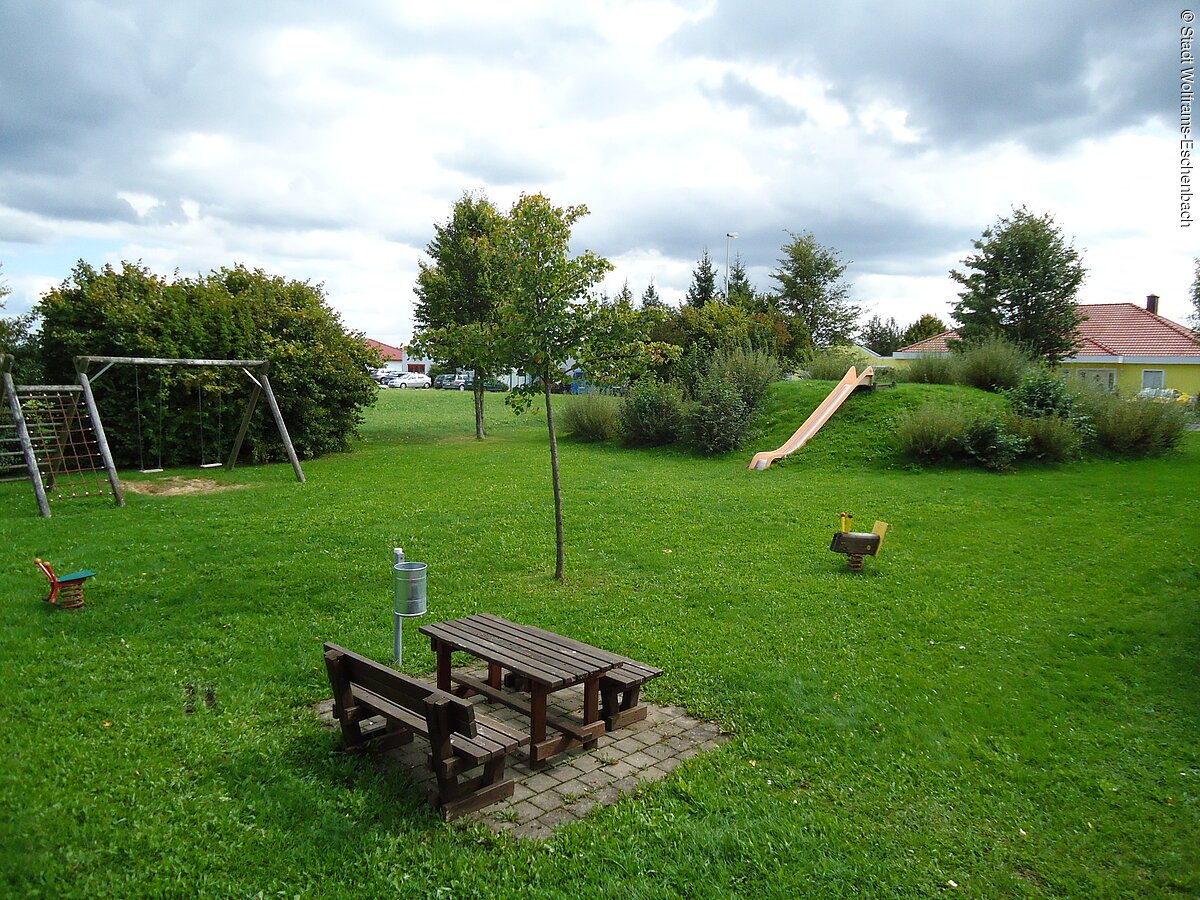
[[64, 442]]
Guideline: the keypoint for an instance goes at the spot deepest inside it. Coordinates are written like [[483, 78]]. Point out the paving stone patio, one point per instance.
[[573, 784]]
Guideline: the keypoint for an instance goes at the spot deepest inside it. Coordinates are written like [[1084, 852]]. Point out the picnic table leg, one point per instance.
[[591, 700], [537, 722], [444, 654], [494, 675]]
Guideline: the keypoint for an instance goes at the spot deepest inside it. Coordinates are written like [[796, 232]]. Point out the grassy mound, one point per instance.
[[863, 431]]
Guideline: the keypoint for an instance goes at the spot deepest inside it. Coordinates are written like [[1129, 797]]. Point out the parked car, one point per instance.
[[443, 380], [489, 384], [460, 383], [410, 380], [1162, 395]]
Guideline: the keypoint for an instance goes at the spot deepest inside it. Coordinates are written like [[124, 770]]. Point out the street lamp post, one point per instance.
[[729, 236]]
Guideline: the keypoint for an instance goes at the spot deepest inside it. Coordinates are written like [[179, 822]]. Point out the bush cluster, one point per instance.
[[718, 418], [713, 413], [993, 364], [591, 417], [1050, 420], [831, 363], [927, 370], [938, 433], [651, 414], [1042, 393], [1048, 438], [1132, 427]]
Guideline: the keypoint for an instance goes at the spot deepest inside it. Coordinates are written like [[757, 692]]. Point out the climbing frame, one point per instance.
[[55, 432]]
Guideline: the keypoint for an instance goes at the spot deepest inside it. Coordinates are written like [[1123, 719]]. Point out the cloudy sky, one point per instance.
[[321, 141]]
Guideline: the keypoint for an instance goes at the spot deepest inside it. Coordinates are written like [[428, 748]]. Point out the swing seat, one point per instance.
[[66, 591]]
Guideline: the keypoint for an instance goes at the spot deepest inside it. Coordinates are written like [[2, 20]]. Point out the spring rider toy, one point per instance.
[[857, 544]]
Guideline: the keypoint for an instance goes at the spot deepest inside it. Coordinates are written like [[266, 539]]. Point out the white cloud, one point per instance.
[[324, 146]]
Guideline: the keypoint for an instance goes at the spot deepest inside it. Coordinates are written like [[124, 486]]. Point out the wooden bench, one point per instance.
[[620, 693], [460, 739]]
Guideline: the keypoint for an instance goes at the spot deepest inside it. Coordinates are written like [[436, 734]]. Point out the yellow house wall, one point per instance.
[[1129, 375]]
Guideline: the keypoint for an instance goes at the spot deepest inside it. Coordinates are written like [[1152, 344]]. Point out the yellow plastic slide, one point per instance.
[[819, 417]]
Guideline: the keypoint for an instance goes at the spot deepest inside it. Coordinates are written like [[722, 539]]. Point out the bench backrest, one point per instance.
[[407, 692]]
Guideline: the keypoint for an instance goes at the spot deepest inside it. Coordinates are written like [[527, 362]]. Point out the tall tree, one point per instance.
[[457, 294], [811, 289], [927, 326], [882, 337], [703, 289], [741, 291], [542, 325], [1022, 285], [650, 298]]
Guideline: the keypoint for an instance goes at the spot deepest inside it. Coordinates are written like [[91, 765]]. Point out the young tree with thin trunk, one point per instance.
[[542, 325], [457, 294]]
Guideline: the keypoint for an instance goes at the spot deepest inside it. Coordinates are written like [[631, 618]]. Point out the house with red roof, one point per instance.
[[1122, 346]]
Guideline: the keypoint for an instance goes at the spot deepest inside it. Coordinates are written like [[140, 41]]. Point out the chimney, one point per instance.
[[1152, 303]]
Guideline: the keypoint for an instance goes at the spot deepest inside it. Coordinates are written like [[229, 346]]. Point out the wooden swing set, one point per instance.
[[57, 434]]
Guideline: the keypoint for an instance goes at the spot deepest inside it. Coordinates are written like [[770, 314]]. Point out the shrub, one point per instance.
[[937, 433], [993, 364], [1132, 427], [1048, 438], [831, 364], [651, 414], [751, 371], [1042, 393], [718, 419], [991, 445], [591, 417], [934, 433], [928, 369]]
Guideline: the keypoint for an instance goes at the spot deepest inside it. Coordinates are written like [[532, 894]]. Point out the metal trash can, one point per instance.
[[410, 588], [410, 596]]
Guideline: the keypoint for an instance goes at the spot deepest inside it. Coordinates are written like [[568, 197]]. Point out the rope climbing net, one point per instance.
[[55, 431], [64, 442]]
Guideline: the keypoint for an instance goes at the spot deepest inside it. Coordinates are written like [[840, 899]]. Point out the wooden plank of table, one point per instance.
[[509, 636], [455, 636], [561, 650], [536, 648], [578, 732], [563, 643]]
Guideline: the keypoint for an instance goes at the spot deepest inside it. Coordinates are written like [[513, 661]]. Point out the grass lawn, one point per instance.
[[1008, 698]]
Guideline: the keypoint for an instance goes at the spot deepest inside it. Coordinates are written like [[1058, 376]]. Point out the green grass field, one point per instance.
[[1008, 698]]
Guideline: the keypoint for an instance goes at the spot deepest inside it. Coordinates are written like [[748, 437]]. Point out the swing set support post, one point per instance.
[[283, 432], [251, 404], [14, 407], [101, 440]]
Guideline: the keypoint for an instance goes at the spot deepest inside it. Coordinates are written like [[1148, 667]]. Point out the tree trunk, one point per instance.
[[560, 558], [477, 388]]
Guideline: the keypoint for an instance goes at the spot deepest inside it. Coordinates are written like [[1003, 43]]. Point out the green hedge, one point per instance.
[[318, 369]]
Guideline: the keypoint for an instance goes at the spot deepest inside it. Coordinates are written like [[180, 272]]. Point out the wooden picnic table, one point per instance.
[[549, 662]]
